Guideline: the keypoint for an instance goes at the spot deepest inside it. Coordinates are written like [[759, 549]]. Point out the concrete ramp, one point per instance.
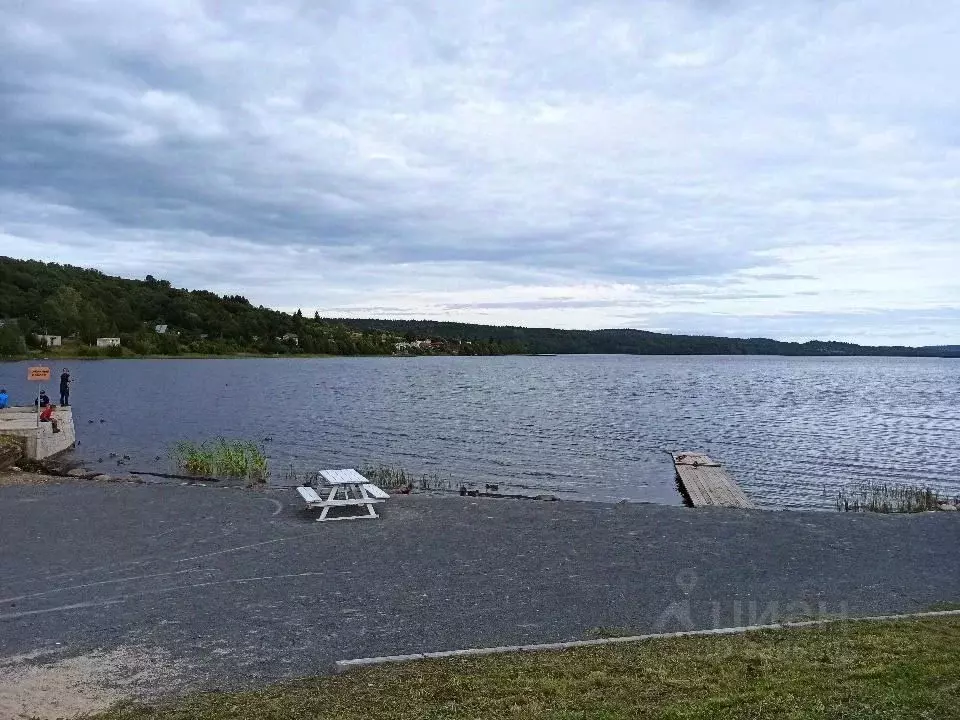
[[40, 442]]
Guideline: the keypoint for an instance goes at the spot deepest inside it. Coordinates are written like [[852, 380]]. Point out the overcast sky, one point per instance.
[[788, 169]]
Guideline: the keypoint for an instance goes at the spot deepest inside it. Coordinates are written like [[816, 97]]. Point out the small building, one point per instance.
[[161, 329], [414, 345], [108, 342], [49, 340], [290, 337]]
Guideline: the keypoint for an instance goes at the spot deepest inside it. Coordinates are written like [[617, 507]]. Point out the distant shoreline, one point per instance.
[[322, 356], [152, 319], [184, 356]]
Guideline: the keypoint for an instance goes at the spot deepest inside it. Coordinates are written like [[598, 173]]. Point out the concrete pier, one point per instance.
[[39, 442]]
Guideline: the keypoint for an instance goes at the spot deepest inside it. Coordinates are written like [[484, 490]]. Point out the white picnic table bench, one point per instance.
[[347, 488]]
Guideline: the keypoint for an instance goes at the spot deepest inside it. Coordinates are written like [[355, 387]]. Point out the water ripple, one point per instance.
[[791, 430]]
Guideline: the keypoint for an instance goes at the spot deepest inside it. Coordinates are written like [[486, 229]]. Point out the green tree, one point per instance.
[[60, 313], [11, 340], [91, 322], [168, 343]]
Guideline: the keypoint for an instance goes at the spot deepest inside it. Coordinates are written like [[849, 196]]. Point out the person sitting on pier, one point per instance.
[[47, 416], [4, 398], [43, 400]]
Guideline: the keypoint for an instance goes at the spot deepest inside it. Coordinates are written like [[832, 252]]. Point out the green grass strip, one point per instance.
[[855, 671]]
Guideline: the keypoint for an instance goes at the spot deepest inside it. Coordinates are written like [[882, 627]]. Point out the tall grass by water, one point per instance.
[[388, 477], [392, 478], [223, 458], [891, 498]]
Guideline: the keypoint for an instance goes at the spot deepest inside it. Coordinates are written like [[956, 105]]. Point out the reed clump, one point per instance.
[[881, 497], [222, 457], [391, 477], [388, 477]]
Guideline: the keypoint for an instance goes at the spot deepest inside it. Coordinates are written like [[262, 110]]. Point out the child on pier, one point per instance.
[[46, 415]]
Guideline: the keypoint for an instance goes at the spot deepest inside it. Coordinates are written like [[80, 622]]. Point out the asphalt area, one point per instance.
[[115, 590]]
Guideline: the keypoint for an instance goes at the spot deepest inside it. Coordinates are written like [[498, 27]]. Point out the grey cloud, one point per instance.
[[781, 276], [894, 326], [559, 303], [692, 150]]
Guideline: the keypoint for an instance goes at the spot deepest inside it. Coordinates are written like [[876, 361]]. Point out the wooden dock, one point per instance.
[[706, 483]]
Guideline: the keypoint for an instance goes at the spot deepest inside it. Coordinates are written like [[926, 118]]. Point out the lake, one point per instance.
[[791, 430]]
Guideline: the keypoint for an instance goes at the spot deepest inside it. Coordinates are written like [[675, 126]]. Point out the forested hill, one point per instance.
[[623, 341], [82, 305], [86, 304]]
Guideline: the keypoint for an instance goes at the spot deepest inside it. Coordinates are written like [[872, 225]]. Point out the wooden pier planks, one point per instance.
[[707, 483]]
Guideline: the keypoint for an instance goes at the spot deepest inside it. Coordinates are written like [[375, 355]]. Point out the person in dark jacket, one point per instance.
[[65, 388]]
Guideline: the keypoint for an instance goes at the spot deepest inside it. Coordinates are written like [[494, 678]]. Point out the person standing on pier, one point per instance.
[[65, 388]]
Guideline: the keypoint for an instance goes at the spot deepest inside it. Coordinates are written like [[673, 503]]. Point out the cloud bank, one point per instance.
[[783, 169]]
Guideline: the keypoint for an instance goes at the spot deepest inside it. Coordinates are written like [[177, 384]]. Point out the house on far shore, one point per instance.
[[414, 345], [161, 329], [108, 342], [49, 340], [290, 337]]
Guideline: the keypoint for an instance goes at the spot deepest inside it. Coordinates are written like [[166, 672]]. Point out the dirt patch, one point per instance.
[[11, 450], [47, 686], [23, 477], [27, 478]]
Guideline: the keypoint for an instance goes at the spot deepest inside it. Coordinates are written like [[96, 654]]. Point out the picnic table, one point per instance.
[[347, 488]]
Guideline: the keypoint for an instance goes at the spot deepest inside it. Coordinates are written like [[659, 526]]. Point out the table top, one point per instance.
[[348, 476]]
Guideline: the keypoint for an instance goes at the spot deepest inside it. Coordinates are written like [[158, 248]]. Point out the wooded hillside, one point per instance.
[[86, 304], [623, 341], [82, 305]]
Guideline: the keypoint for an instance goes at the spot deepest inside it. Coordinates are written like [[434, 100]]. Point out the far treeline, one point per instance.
[[79, 306], [152, 318], [633, 342]]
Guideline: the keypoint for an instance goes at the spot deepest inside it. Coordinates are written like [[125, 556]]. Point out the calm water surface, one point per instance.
[[791, 430]]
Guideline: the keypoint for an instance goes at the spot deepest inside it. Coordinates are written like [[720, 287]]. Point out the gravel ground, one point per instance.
[[238, 588]]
